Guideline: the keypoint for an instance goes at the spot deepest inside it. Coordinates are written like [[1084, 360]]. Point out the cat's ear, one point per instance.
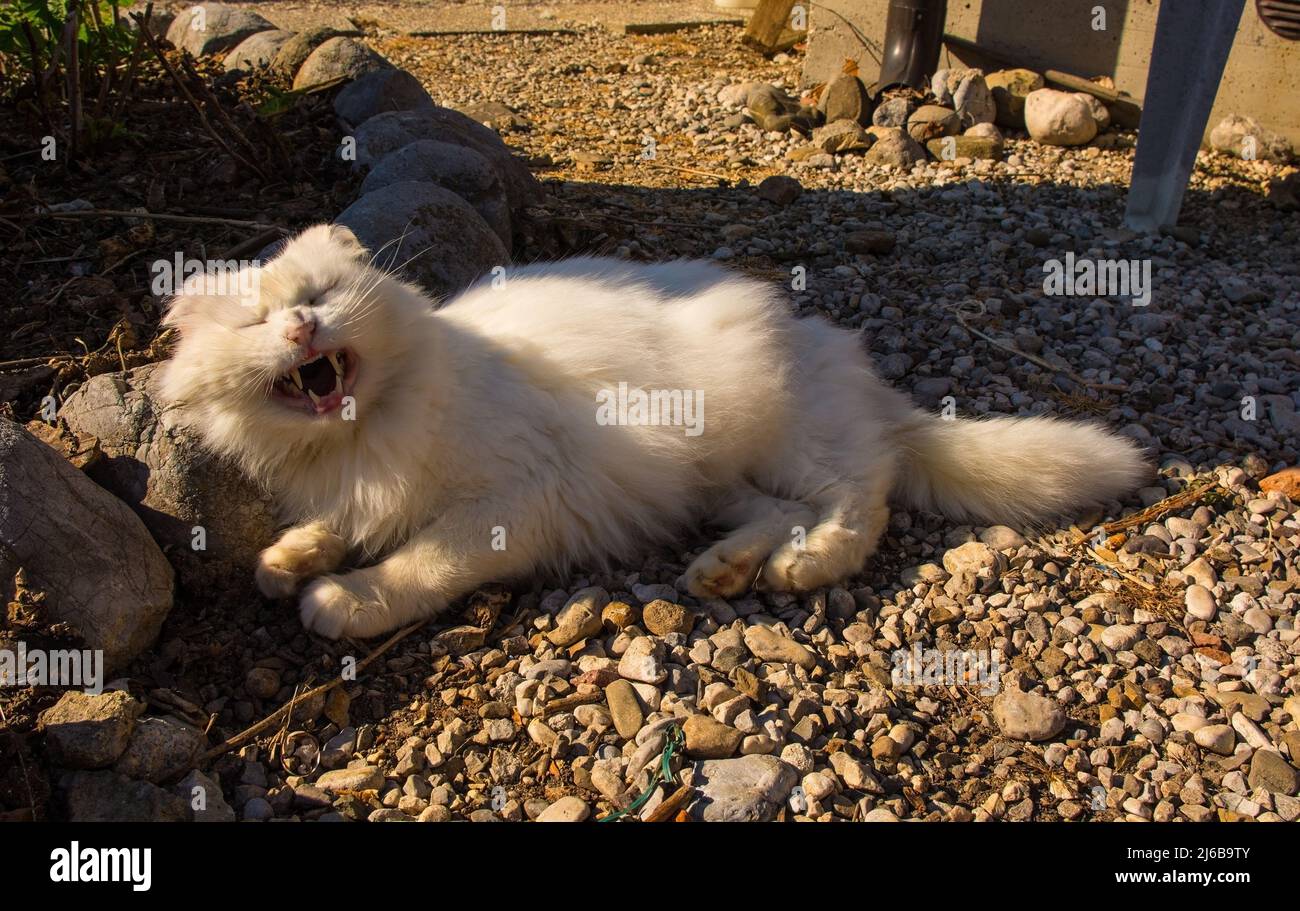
[[342, 237]]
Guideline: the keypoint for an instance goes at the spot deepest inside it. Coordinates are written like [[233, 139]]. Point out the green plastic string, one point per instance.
[[664, 774]]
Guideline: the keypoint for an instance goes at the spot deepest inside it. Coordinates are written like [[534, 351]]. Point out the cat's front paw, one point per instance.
[[330, 607], [274, 580], [300, 554]]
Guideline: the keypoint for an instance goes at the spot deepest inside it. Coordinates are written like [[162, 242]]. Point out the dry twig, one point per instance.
[[153, 216], [270, 720]]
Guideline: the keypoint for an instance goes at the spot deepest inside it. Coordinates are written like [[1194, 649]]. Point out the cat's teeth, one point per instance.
[[338, 383], [334, 360], [315, 399], [297, 378]]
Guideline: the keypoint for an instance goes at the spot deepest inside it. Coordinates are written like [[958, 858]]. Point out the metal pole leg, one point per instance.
[[1193, 38]]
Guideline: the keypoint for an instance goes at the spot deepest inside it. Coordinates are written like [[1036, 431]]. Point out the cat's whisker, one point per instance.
[[364, 296], [350, 294], [363, 273], [395, 241], [371, 269], [369, 305], [394, 272], [374, 277], [380, 275]]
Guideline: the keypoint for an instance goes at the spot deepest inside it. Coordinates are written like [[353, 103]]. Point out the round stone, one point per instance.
[[1200, 602], [664, 617]]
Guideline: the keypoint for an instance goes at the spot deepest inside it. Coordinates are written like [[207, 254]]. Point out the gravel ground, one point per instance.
[[461, 16], [1147, 671]]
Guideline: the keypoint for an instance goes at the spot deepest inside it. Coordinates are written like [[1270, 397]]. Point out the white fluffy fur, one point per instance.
[[479, 419]]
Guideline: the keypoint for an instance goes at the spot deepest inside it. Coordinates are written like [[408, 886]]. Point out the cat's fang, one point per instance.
[[315, 399], [335, 361], [297, 378], [338, 384]]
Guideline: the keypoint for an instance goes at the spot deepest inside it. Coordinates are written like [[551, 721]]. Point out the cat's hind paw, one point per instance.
[[832, 553], [722, 572]]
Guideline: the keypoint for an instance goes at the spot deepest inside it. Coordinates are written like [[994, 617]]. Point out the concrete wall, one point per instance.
[[1262, 78]]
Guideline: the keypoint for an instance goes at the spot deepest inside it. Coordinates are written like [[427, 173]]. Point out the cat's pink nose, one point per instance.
[[301, 333]]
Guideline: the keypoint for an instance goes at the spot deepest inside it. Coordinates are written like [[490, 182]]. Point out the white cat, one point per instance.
[[574, 413]]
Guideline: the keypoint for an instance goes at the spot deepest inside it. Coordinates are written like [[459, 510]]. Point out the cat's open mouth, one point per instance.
[[319, 384]]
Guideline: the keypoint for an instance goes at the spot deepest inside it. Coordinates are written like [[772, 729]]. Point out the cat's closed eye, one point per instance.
[[316, 298]]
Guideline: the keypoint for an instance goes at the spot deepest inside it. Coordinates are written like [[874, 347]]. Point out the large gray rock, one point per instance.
[[845, 98], [454, 245], [345, 58], [85, 731], [747, 789], [842, 136], [776, 112], [214, 28], [973, 101], [175, 485], [378, 92], [160, 748], [1059, 118], [457, 168], [1010, 88], [206, 802], [386, 133], [930, 121], [893, 112], [95, 562], [257, 51], [895, 148], [1100, 113], [294, 52], [110, 797], [1247, 138], [942, 84]]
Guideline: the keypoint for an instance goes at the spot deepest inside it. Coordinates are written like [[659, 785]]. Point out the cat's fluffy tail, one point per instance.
[[1014, 470]]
